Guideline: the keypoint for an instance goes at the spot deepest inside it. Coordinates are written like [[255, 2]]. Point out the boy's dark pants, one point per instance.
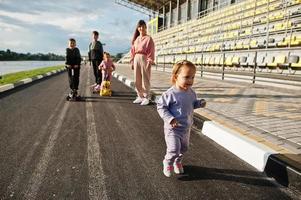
[[73, 85], [97, 73]]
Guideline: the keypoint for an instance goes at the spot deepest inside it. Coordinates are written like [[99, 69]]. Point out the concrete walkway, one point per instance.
[[263, 117]]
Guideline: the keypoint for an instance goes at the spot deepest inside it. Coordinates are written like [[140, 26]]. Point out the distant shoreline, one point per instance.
[[7, 67]]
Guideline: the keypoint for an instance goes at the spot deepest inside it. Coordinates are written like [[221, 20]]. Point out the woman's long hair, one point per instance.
[[136, 34]]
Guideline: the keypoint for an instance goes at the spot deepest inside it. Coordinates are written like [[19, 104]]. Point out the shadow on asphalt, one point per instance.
[[112, 98], [193, 173], [105, 99]]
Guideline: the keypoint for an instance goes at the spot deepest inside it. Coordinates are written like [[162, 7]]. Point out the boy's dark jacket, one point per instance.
[[96, 52], [73, 56]]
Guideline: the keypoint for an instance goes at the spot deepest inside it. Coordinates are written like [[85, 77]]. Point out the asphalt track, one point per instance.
[[108, 148]]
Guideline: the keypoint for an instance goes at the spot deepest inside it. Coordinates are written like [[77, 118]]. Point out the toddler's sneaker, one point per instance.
[[144, 102], [97, 88], [138, 100], [178, 168], [167, 170]]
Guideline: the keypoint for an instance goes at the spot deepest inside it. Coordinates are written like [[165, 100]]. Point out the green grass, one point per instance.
[[15, 77]]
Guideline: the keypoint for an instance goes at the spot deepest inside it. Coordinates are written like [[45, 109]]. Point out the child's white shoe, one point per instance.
[[138, 100], [167, 170], [178, 168]]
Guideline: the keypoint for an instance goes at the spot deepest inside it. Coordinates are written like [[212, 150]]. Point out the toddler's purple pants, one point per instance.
[[177, 145]]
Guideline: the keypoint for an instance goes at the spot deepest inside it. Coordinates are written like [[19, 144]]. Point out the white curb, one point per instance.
[[26, 80], [6, 87], [128, 82], [244, 148], [39, 76]]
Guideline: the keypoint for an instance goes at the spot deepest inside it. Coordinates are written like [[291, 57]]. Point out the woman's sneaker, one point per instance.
[[167, 170], [178, 168], [144, 102], [138, 100]]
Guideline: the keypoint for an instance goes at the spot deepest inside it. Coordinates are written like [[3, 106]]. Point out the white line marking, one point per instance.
[[97, 189], [38, 175], [25, 163]]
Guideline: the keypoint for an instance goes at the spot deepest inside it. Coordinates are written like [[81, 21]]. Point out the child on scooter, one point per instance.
[[73, 60]]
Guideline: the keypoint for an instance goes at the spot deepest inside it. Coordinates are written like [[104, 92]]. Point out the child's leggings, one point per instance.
[[176, 145], [73, 80], [106, 76]]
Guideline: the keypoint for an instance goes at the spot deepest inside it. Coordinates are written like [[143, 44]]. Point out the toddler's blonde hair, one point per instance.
[[177, 68], [106, 54]]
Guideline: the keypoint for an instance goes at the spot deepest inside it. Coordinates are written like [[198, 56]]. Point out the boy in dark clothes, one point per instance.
[[96, 56], [73, 60]]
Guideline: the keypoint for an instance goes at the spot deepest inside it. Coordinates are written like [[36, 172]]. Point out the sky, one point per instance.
[[44, 26]]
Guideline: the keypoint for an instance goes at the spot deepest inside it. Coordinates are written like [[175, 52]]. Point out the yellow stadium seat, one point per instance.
[[295, 2], [239, 45], [199, 60], [289, 61], [278, 60], [292, 41], [206, 60], [278, 27], [276, 16], [217, 47], [235, 61], [296, 41], [218, 60], [211, 60], [253, 43], [284, 42], [211, 47], [272, 7], [228, 61], [246, 44]]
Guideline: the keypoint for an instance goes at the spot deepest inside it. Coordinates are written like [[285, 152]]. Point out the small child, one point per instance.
[[73, 60], [106, 67], [175, 107]]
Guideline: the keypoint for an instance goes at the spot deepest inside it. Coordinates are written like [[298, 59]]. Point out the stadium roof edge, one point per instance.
[[147, 5]]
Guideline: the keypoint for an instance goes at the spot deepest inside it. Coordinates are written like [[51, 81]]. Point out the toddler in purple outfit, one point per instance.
[[175, 107]]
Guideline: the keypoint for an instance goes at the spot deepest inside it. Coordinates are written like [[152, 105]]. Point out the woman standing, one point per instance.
[[142, 57]]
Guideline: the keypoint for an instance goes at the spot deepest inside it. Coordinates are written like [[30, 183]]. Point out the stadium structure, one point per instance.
[[254, 36]]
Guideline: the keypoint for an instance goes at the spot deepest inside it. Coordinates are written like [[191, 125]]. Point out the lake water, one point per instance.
[[7, 67]]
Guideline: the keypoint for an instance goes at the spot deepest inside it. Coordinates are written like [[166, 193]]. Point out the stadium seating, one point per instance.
[[271, 29]]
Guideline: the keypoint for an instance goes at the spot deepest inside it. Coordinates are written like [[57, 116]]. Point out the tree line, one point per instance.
[[9, 55]]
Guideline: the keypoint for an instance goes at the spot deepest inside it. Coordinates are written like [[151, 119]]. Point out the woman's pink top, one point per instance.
[[107, 65], [144, 45]]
